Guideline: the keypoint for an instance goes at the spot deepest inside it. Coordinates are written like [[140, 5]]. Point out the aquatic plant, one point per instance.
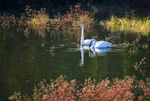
[[127, 24], [127, 89]]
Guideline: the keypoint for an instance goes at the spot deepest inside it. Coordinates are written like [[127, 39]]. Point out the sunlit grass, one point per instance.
[[126, 24]]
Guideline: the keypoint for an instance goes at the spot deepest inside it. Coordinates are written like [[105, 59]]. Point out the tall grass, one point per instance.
[[126, 24]]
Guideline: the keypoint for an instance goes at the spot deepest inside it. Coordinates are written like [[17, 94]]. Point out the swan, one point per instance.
[[84, 42], [99, 44]]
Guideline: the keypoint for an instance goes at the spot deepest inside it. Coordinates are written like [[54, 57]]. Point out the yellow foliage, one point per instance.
[[128, 24]]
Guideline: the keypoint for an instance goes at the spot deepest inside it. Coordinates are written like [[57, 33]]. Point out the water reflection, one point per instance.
[[92, 52]]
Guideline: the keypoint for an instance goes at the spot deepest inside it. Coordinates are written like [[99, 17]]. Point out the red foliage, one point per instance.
[[128, 89]]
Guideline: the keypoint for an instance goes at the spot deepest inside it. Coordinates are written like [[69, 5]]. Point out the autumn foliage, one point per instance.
[[128, 89]]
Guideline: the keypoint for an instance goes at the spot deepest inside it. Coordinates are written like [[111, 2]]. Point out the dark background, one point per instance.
[[55, 6]]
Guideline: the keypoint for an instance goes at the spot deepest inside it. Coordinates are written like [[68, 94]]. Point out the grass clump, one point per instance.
[[126, 24], [128, 89]]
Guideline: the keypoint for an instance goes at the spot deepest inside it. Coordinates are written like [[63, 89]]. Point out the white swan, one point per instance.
[[99, 44], [84, 42]]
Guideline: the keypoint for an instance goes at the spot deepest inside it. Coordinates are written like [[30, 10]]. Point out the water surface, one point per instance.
[[26, 61]]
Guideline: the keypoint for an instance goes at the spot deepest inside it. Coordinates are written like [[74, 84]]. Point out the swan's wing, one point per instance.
[[87, 42], [103, 44]]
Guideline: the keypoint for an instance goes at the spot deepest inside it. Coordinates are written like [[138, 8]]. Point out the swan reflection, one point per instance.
[[92, 52]]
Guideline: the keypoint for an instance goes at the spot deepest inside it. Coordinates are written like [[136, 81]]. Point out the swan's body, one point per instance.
[[84, 42], [100, 44]]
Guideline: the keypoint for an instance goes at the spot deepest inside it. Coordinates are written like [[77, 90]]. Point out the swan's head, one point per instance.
[[82, 26], [92, 42]]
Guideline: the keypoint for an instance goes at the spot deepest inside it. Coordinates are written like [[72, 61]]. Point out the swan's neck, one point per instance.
[[93, 44], [82, 36]]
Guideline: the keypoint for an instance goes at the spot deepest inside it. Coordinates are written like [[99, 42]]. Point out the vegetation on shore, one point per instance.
[[128, 89], [127, 24], [38, 20]]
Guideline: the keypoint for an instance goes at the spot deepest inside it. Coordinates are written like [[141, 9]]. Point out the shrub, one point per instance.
[[39, 21], [36, 18], [128, 89], [6, 21], [73, 19]]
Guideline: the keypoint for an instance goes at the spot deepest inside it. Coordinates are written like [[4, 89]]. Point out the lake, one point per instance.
[[26, 61]]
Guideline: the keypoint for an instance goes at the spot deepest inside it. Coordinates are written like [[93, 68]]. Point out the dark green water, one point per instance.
[[26, 61]]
